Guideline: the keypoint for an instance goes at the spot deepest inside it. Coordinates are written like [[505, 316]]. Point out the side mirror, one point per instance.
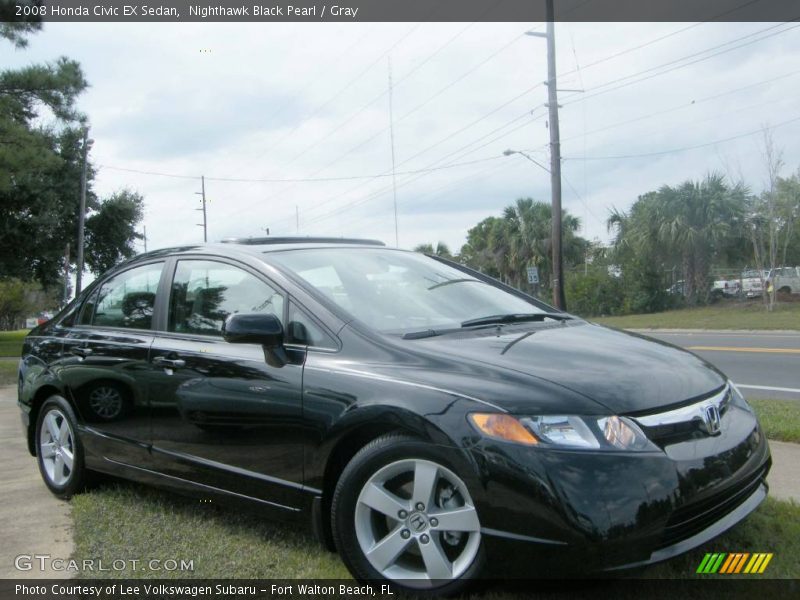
[[264, 329]]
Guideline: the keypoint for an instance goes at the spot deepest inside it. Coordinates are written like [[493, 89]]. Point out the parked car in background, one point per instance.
[[753, 282], [785, 280], [677, 289], [726, 287]]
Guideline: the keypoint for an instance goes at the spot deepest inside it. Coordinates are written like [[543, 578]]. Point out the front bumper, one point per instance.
[[580, 512]]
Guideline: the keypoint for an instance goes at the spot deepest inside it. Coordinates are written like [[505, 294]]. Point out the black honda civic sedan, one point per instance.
[[430, 423]]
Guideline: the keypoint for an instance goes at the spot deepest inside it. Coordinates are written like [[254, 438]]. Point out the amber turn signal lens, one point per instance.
[[503, 427]]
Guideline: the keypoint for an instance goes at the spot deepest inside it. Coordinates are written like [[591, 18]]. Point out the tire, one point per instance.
[[383, 500], [59, 452]]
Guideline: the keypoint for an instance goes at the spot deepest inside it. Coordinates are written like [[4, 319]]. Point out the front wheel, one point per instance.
[[59, 452], [401, 513]]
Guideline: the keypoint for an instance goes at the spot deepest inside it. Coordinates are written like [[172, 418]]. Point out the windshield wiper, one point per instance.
[[514, 318], [452, 281]]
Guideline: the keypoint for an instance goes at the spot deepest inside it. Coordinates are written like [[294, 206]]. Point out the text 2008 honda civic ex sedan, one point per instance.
[[430, 422]]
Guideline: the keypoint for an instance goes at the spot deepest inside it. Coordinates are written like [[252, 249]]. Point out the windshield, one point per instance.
[[398, 292]]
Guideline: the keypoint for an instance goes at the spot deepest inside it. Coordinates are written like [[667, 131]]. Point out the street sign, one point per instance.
[[533, 275]]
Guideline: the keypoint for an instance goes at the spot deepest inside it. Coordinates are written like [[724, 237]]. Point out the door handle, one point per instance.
[[169, 363], [82, 352]]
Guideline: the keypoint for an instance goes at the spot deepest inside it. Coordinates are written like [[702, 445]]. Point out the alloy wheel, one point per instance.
[[415, 522], [57, 447], [106, 402]]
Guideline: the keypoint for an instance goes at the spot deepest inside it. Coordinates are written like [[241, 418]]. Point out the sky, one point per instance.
[[307, 108]]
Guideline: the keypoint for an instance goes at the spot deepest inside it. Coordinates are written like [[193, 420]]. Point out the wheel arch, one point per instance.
[[365, 425], [37, 400]]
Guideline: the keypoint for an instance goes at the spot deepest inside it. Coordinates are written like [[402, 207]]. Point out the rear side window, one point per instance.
[[205, 293], [127, 299]]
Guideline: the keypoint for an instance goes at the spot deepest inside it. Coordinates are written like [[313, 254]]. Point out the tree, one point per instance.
[[687, 227], [772, 217], [39, 165], [111, 231], [505, 247], [18, 300], [40, 175], [440, 250]]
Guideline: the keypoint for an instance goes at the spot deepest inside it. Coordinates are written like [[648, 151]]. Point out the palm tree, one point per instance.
[[441, 249], [688, 226]]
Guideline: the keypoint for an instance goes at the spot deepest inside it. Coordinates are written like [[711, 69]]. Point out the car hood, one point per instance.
[[625, 372]]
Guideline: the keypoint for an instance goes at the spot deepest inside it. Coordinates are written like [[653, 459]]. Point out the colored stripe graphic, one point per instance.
[[755, 562], [711, 563], [741, 562], [726, 565], [734, 562], [765, 563], [703, 563]]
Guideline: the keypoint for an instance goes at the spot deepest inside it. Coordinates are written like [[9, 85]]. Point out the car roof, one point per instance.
[[260, 246]]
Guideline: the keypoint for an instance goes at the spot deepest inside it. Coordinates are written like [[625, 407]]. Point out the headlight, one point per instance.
[[562, 431], [565, 431], [738, 398]]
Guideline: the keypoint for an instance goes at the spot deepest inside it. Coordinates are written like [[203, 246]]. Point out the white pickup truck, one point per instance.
[[753, 283], [785, 280]]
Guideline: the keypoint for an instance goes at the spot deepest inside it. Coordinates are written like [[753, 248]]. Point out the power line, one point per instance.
[[598, 92], [441, 190], [652, 68], [683, 105], [378, 193], [298, 180], [404, 116], [373, 195], [343, 89], [376, 98], [685, 148]]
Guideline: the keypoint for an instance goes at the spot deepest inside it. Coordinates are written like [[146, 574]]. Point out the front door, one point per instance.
[[220, 415]]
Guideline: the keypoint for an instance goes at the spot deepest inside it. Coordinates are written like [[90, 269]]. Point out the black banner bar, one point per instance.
[[746, 588], [396, 10]]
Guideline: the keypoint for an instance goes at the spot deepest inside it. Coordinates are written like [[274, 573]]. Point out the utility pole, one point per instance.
[[82, 213], [144, 237], [555, 158], [66, 275], [555, 162], [202, 193], [391, 138]]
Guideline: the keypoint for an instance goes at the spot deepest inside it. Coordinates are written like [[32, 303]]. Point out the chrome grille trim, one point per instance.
[[688, 413]]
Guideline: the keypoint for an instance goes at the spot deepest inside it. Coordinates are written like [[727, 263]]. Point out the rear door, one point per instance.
[[108, 366], [221, 416]]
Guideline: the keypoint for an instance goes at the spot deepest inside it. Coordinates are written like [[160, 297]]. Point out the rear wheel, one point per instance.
[[402, 513], [106, 401], [59, 452]]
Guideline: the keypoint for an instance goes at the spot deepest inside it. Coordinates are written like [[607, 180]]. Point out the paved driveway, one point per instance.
[[32, 520]]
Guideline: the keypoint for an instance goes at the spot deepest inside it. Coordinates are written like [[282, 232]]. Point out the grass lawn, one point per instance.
[[724, 315], [11, 342], [780, 419], [8, 372], [126, 521]]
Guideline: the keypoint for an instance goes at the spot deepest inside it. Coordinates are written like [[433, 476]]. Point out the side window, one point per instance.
[[127, 300], [87, 312], [205, 293], [302, 329]]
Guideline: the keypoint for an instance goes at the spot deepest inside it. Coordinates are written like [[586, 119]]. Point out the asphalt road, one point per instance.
[[762, 364]]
